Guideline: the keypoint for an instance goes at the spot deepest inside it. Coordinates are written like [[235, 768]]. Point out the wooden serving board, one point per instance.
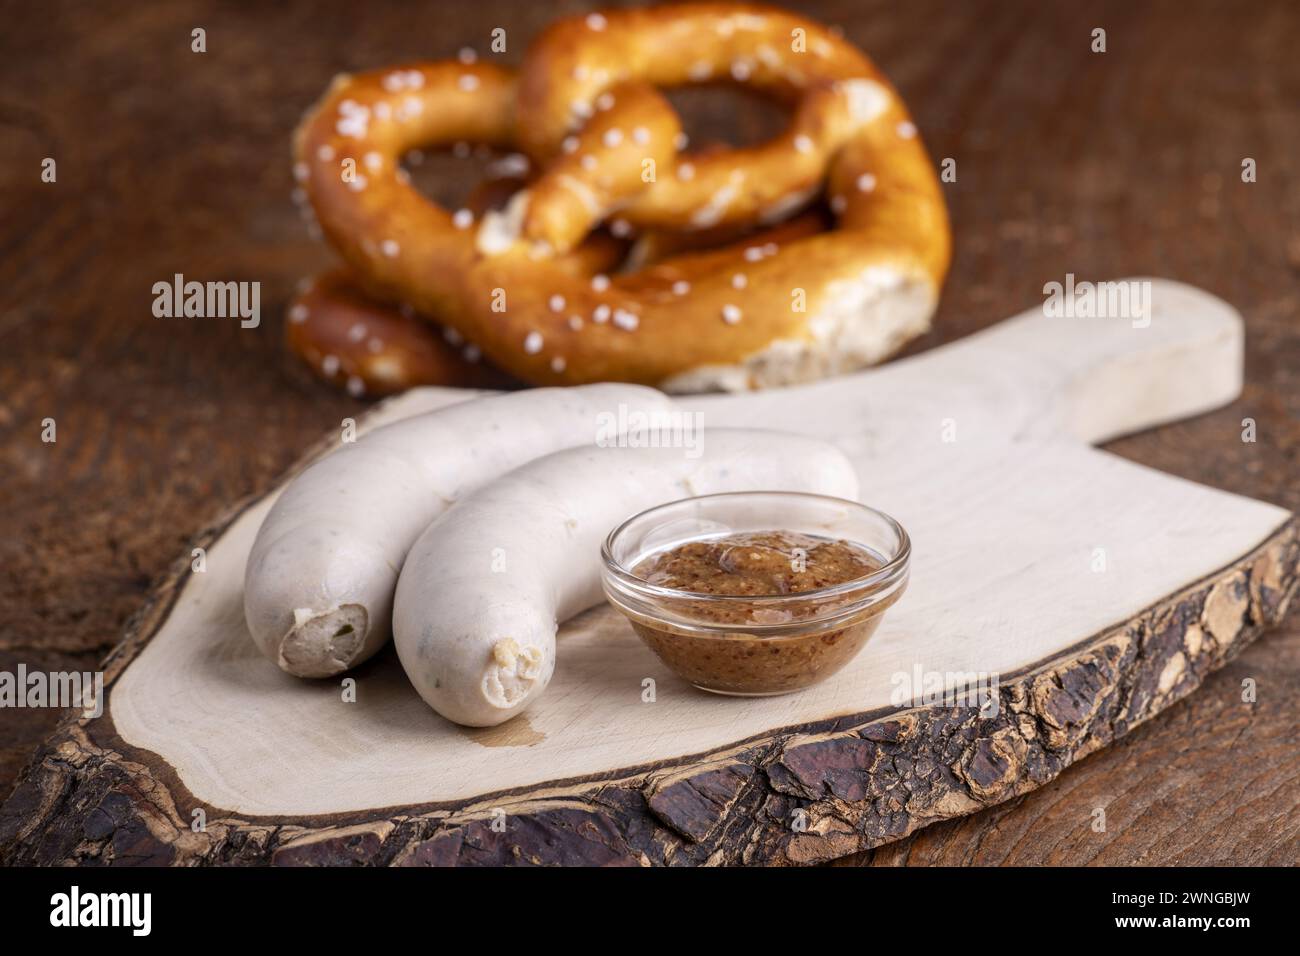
[[1097, 590]]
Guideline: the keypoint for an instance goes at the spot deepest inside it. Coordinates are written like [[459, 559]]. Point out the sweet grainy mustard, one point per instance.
[[761, 564]]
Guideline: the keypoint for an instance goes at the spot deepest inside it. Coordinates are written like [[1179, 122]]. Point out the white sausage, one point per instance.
[[483, 589], [319, 584]]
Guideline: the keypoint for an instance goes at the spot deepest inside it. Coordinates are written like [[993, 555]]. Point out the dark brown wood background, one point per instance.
[[1104, 165]]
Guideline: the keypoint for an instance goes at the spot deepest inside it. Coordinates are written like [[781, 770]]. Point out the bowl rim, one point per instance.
[[888, 573]]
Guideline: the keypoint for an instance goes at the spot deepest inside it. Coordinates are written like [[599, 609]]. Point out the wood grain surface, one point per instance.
[[1121, 163]]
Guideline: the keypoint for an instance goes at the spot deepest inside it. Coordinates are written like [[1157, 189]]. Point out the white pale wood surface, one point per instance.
[[1004, 521]]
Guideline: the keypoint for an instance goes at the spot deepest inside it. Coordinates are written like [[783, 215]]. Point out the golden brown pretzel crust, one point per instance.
[[587, 111], [369, 348]]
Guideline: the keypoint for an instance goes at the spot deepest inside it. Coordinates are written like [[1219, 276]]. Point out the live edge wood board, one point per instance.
[[1099, 592]]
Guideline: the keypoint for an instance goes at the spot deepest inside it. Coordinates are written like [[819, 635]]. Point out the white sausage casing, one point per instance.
[[319, 583]]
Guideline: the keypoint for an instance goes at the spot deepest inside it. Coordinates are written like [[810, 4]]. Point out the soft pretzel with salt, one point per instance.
[[349, 339], [608, 151]]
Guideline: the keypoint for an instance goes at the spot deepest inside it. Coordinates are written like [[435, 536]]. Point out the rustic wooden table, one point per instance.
[[1104, 165]]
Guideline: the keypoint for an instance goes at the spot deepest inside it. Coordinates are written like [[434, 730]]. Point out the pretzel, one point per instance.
[[585, 107], [349, 339]]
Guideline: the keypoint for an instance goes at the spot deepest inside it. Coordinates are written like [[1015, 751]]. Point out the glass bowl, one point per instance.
[[755, 645]]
